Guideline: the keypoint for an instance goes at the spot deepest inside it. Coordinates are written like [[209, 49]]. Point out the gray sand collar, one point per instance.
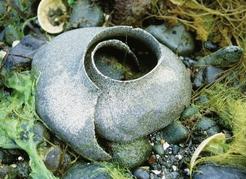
[[74, 98]]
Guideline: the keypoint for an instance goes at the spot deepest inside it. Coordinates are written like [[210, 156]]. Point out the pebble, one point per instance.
[[207, 125], [141, 173], [131, 154], [217, 172], [223, 57], [86, 171], [212, 73], [86, 14], [199, 79], [40, 133], [53, 157], [175, 149], [158, 148], [210, 46], [176, 38], [175, 133], [190, 112], [21, 55]]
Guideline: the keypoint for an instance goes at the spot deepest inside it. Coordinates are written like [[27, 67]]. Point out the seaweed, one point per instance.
[[17, 117], [220, 21], [230, 104]]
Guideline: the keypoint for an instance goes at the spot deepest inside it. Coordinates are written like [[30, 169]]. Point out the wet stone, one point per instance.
[[21, 55], [141, 173], [175, 133], [208, 125], [210, 46], [199, 79], [85, 171], [223, 57], [53, 158], [189, 112], [131, 154], [218, 172], [158, 148], [86, 14], [212, 73], [176, 38]]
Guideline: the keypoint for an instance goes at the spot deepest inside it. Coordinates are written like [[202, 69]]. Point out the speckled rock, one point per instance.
[[218, 172], [74, 97], [224, 57], [132, 154], [175, 133], [87, 171], [85, 14], [176, 38]]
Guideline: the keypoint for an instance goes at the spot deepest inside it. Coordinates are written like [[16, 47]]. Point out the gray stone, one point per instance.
[[207, 125], [74, 98], [199, 78], [86, 14], [52, 158], [141, 173], [175, 133], [158, 148], [21, 55], [212, 73], [131, 154], [218, 172], [176, 38], [190, 112], [87, 171], [224, 57]]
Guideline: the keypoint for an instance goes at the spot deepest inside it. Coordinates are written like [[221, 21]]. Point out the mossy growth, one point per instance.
[[230, 104], [220, 21]]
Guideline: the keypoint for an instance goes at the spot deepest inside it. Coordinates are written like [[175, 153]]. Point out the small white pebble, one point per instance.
[[13, 165], [163, 177], [152, 143], [187, 171], [15, 43], [179, 157], [157, 172], [20, 158], [174, 168], [165, 145], [157, 156], [170, 152]]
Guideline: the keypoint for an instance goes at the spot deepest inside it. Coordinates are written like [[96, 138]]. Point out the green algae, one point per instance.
[[17, 117]]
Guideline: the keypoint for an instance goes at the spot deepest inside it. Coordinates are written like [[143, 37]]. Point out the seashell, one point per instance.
[[57, 8], [117, 82]]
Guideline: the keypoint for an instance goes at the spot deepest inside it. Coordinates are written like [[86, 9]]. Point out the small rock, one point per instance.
[[189, 63], [224, 57], [189, 112], [53, 158], [202, 99], [176, 38], [175, 149], [131, 154], [210, 46], [208, 125], [175, 133], [218, 172], [86, 14], [199, 79], [40, 133], [212, 73], [21, 55], [87, 171], [141, 173], [158, 148]]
